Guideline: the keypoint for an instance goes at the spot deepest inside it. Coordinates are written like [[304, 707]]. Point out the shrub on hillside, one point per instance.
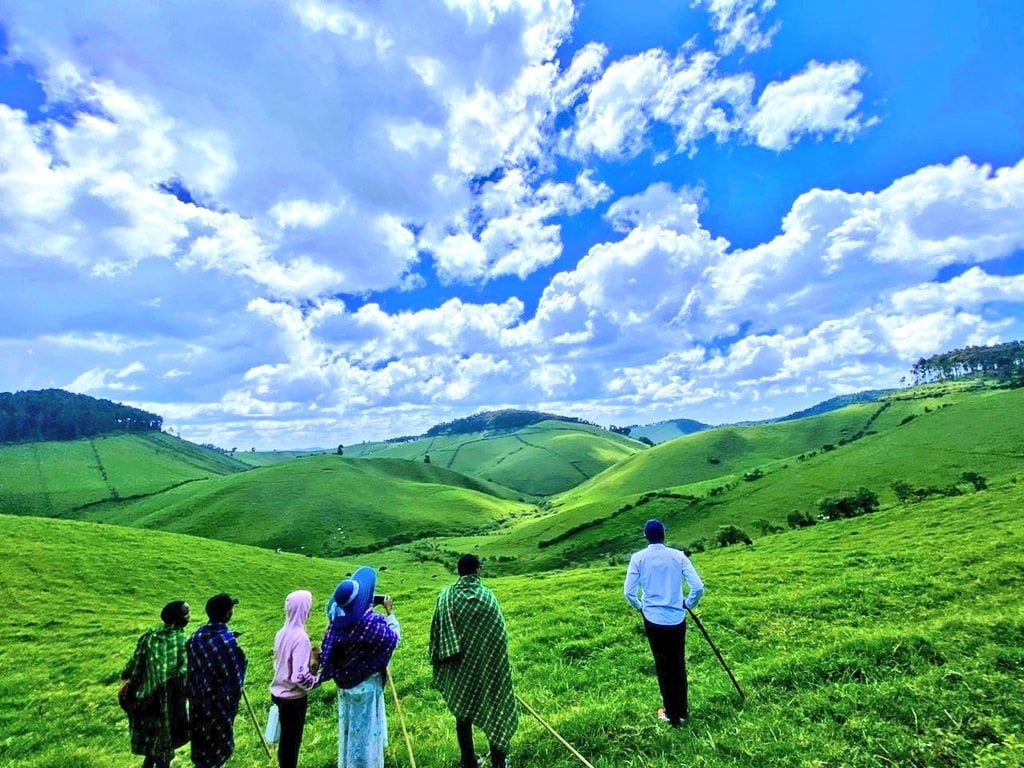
[[863, 502], [904, 491], [730, 534], [698, 545], [976, 480], [798, 519], [766, 527], [754, 474]]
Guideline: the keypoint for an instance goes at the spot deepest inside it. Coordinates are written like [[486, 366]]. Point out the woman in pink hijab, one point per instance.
[[295, 666]]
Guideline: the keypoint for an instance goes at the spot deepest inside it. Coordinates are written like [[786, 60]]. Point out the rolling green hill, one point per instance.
[[538, 460], [322, 504], [927, 437], [269, 458], [663, 431], [752, 477], [892, 639], [60, 478]]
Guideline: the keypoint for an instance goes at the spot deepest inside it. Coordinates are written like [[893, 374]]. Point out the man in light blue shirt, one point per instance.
[[658, 573]]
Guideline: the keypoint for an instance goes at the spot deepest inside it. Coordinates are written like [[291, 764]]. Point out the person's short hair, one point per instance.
[[219, 607], [468, 564], [654, 531], [175, 613]]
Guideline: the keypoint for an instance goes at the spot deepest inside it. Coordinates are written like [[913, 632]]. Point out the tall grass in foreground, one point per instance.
[[890, 640]]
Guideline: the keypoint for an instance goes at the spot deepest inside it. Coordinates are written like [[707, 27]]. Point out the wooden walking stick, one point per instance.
[[554, 733], [714, 648], [401, 719], [256, 724]]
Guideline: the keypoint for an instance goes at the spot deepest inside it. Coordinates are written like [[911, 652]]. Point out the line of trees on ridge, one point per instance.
[[508, 419], [53, 414], [1004, 362]]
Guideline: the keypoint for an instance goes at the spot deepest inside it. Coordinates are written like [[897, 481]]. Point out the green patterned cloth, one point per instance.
[[469, 655], [157, 671]]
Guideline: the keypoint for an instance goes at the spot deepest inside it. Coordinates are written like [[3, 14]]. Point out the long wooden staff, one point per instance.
[[700, 626], [554, 733], [256, 724], [401, 719]]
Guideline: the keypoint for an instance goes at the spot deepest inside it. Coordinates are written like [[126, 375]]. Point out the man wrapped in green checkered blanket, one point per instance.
[[469, 656]]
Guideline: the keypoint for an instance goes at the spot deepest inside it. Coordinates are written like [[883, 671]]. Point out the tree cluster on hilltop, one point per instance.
[[489, 421], [1004, 362], [53, 414]]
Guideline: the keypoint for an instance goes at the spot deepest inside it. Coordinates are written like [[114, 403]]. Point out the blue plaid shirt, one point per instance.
[[216, 668]]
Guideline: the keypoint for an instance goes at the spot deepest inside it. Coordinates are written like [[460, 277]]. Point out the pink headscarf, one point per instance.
[[292, 677]]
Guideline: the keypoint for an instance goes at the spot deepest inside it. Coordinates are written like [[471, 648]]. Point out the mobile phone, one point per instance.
[[379, 599]]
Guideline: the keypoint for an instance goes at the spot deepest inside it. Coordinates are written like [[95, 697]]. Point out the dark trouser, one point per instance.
[[668, 646], [292, 713], [464, 733], [153, 761]]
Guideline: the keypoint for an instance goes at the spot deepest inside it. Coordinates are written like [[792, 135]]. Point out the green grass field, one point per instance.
[[323, 505], [895, 639], [539, 460], [926, 437], [58, 479]]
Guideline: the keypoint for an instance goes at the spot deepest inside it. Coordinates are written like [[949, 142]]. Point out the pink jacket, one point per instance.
[[292, 677]]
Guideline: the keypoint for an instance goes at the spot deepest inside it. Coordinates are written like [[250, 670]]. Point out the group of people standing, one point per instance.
[[468, 656], [207, 671], [468, 653]]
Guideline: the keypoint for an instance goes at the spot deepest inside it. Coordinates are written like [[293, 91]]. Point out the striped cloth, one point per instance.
[[157, 670], [469, 656], [352, 652], [216, 674]]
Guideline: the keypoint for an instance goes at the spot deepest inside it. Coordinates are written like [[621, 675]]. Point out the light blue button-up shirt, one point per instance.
[[659, 572]]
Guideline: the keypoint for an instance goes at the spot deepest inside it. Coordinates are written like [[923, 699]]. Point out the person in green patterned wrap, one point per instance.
[[469, 656], [153, 692]]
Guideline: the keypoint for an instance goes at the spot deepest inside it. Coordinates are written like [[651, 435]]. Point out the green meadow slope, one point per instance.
[[322, 504], [59, 478], [539, 460], [927, 437], [895, 639]]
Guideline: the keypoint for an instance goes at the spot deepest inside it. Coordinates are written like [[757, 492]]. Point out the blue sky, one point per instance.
[[299, 223]]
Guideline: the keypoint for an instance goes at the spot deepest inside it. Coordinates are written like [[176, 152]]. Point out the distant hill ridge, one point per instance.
[[835, 403], [504, 420]]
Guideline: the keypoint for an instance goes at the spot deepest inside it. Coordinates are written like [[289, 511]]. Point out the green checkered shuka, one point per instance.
[[469, 655]]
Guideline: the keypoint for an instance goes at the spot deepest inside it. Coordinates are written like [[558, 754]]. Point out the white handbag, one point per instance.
[[272, 734]]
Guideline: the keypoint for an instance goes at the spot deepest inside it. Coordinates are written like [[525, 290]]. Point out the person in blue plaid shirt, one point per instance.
[[216, 674]]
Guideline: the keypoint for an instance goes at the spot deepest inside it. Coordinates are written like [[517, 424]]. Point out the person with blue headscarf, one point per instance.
[[355, 654]]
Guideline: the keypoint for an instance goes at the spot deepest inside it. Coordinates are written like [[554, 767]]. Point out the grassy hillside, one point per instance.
[[894, 639], [538, 460], [59, 478], [323, 504], [926, 437], [268, 458], [663, 431]]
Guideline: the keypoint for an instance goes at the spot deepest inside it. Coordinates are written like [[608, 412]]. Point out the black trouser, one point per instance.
[[464, 733], [155, 761], [668, 646], [292, 714]]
